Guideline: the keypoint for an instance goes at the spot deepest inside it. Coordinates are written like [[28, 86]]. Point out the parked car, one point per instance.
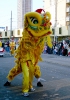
[[1, 51]]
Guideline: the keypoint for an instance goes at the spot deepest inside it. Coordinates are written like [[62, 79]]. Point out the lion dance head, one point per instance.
[[38, 23]]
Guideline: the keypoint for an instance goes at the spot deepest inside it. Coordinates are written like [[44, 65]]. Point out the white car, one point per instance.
[[1, 51]]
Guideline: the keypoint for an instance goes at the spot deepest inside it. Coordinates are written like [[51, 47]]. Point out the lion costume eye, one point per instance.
[[34, 20]]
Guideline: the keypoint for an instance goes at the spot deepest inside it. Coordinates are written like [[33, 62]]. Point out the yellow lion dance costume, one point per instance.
[[12, 47], [36, 29]]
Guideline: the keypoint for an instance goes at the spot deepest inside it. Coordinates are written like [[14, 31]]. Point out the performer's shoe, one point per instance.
[[26, 94], [32, 90], [39, 84], [7, 83]]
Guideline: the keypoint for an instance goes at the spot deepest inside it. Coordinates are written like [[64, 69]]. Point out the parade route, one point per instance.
[[55, 78]]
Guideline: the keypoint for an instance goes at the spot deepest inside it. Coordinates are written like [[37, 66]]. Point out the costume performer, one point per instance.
[[12, 47], [36, 30]]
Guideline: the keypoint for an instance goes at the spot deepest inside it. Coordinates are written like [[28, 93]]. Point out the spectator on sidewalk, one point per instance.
[[68, 48], [65, 51]]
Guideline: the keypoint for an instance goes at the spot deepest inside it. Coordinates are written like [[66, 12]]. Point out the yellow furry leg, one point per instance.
[[28, 73], [37, 72], [17, 70], [31, 74], [13, 72]]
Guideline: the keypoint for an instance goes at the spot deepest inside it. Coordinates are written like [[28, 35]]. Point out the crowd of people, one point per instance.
[[9, 46], [61, 48]]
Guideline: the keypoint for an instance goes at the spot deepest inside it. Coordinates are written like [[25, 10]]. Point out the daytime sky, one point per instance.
[[6, 6]]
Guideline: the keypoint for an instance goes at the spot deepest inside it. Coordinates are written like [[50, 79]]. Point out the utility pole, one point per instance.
[[55, 18], [11, 26]]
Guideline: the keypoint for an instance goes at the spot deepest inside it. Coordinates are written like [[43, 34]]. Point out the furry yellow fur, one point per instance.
[[28, 54]]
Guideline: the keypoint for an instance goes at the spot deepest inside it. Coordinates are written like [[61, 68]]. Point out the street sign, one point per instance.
[[2, 27]]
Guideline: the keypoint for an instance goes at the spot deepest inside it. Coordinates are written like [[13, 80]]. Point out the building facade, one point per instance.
[[60, 16], [23, 6], [59, 9]]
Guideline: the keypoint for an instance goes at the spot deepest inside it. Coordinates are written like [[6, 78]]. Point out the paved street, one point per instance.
[[55, 73]]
